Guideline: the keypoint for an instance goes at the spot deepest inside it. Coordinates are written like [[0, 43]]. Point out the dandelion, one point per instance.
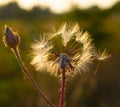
[[65, 53], [101, 56], [69, 51]]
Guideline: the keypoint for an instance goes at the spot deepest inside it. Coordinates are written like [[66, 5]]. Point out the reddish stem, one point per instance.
[[62, 89], [28, 75]]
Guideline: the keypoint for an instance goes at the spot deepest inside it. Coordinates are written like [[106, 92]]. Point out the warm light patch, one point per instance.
[[27, 4], [59, 6], [56, 6], [84, 3], [106, 3], [100, 3], [3, 2]]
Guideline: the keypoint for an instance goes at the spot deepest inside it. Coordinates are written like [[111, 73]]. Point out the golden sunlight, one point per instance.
[[60, 6], [100, 3]]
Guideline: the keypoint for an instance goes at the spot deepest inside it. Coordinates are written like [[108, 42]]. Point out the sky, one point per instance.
[[60, 6]]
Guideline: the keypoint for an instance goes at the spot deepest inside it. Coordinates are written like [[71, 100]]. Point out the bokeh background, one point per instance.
[[86, 90]]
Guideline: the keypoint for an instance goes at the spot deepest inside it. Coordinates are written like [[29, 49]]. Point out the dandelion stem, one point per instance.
[[62, 89], [98, 65], [18, 57]]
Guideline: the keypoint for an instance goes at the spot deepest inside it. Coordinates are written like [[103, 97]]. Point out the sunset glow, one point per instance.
[[59, 6]]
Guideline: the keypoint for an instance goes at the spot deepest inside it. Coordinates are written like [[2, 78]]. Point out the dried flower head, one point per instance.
[[11, 39], [68, 49]]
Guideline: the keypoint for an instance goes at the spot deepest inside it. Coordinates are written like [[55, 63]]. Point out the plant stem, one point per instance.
[[97, 67], [17, 55], [62, 89]]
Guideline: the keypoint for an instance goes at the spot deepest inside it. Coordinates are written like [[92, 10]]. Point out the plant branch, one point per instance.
[[18, 57]]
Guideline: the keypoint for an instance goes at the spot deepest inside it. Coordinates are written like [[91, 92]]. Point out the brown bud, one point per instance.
[[11, 39]]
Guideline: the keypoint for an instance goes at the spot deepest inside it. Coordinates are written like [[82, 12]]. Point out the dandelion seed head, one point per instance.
[[40, 54], [69, 48], [67, 31]]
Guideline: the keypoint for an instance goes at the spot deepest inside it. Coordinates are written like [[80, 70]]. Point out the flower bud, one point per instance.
[[11, 39]]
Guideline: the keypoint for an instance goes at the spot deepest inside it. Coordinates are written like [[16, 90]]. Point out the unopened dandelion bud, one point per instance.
[[11, 39]]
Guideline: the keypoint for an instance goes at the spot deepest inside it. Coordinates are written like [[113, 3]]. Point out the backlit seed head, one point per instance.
[[11, 39], [68, 49]]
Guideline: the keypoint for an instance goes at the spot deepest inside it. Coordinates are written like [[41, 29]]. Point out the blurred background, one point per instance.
[[30, 18]]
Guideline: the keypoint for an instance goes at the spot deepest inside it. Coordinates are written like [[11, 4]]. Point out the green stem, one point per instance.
[[16, 53]]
